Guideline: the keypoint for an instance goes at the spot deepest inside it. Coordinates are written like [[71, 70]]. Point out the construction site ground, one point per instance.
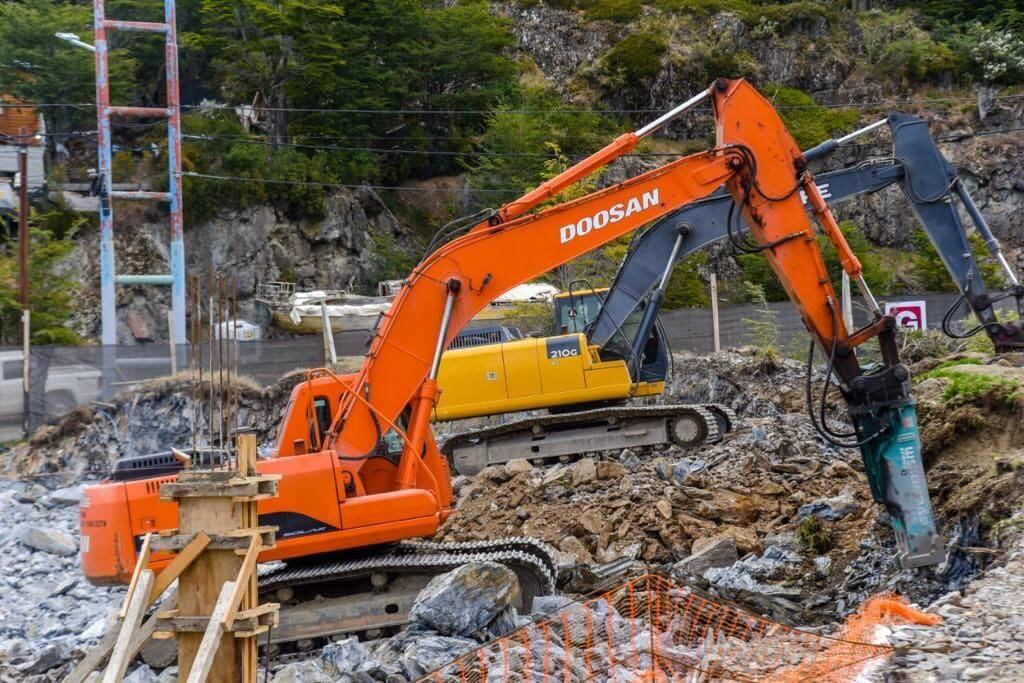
[[769, 519]]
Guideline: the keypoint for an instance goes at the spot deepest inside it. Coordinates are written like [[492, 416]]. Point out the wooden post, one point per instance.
[[222, 505], [714, 312], [170, 343], [330, 355]]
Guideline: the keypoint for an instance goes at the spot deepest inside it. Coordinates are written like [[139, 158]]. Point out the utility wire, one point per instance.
[[379, 150], [275, 181], [538, 112]]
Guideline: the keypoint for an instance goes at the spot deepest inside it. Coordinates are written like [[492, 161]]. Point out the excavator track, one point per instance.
[[566, 436], [726, 418], [371, 593]]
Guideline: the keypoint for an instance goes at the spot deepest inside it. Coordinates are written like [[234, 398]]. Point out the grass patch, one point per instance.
[[814, 536], [969, 386], [636, 58]]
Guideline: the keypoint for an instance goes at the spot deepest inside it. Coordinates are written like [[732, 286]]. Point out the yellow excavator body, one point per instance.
[[528, 374]]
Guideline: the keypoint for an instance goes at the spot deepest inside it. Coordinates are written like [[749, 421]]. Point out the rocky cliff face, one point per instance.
[[825, 58], [254, 245]]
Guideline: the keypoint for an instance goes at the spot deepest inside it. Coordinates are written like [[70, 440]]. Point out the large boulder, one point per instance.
[[465, 600], [719, 551], [47, 540]]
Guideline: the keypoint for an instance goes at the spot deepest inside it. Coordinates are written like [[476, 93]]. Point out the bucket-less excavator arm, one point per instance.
[[931, 186]]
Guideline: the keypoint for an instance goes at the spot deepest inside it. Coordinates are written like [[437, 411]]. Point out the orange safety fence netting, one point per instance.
[[650, 629]]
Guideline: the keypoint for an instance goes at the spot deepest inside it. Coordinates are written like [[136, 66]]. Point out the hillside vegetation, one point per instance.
[[356, 92]]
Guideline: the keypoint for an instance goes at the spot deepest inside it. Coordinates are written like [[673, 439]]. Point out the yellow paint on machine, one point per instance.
[[528, 374]]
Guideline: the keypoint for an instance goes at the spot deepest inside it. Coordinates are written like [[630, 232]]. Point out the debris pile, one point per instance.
[[770, 518]]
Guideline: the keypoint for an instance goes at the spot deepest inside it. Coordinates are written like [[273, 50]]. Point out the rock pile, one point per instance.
[[49, 613]]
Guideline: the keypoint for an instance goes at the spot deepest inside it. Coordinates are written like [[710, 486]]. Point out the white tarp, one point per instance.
[[528, 291]]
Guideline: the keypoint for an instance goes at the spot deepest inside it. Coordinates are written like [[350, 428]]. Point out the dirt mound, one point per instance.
[[150, 419], [809, 543]]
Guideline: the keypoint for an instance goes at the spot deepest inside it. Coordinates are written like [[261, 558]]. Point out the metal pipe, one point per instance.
[[23, 215], [446, 318], [991, 243], [175, 207], [666, 118], [671, 262], [108, 310], [144, 280], [865, 292], [861, 131]]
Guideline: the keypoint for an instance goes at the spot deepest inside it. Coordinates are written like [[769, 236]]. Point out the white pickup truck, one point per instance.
[[67, 386]]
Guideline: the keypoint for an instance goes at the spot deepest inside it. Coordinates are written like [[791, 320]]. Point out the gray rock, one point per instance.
[[48, 658], [168, 675], [48, 540], [720, 553], [69, 495], [160, 652], [830, 509], [344, 656], [423, 654], [302, 672], [141, 675], [466, 599], [544, 605]]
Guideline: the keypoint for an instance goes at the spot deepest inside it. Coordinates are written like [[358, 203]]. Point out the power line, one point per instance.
[[378, 150], [310, 183], [540, 112]]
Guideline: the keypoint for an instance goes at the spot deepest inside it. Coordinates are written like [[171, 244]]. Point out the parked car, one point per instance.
[[67, 386]]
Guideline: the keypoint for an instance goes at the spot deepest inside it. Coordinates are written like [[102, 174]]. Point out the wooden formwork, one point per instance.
[[217, 544]]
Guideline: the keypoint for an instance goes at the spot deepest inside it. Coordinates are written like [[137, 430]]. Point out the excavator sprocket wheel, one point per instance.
[[694, 427]]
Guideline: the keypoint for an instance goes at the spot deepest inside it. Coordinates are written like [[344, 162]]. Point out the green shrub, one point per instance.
[[808, 122], [764, 329], [622, 11], [814, 536], [930, 275], [635, 59], [784, 15]]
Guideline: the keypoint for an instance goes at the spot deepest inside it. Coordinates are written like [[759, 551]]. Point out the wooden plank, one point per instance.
[[101, 650], [140, 564], [203, 661], [93, 658], [228, 541], [246, 454], [179, 564], [122, 654], [242, 581]]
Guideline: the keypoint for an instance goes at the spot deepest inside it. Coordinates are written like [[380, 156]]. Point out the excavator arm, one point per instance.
[[880, 406], [917, 166]]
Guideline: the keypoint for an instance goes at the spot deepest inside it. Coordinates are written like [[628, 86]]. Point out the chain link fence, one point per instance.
[[63, 377]]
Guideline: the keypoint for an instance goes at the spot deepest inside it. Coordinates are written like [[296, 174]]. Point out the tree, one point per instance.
[[265, 48], [51, 289], [930, 275], [36, 66]]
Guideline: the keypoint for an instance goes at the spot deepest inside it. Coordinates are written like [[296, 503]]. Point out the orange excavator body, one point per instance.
[[359, 464]]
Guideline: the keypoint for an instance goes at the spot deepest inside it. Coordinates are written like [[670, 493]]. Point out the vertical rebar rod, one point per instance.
[[227, 358], [192, 356], [210, 315], [220, 359], [234, 317], [199, 346]]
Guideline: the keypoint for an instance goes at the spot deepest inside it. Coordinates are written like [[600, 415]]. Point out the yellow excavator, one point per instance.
[[610, 348]]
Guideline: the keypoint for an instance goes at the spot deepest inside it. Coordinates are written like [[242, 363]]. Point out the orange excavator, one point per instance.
[[362, 476]]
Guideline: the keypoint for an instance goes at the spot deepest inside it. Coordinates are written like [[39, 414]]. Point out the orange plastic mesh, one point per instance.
[[650, 629]]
